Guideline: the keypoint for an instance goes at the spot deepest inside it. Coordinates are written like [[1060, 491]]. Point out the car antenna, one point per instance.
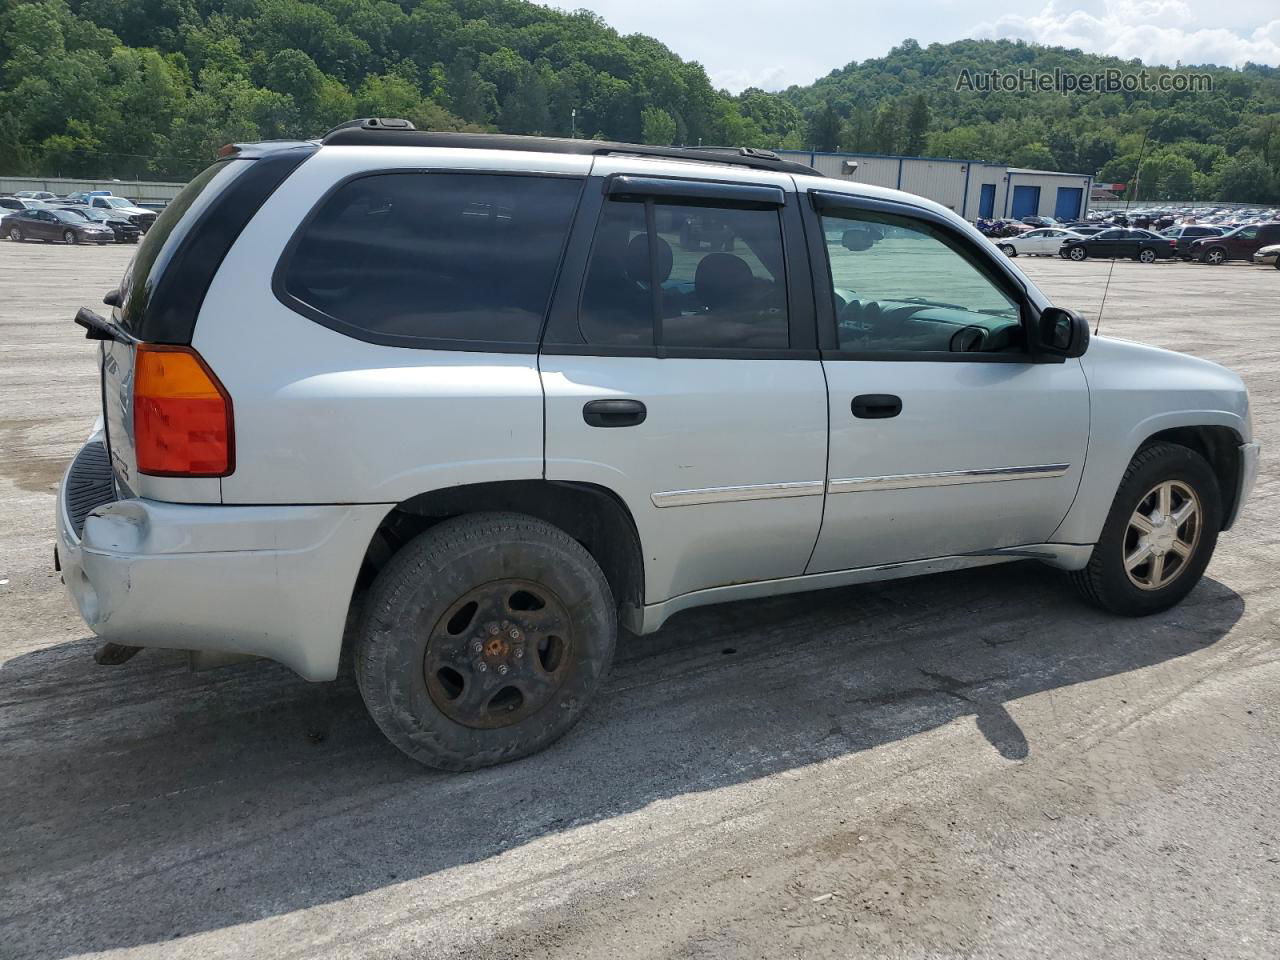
[[1136, 174]]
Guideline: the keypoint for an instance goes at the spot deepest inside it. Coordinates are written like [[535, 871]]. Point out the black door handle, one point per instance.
[[614, 413], [876, 406]]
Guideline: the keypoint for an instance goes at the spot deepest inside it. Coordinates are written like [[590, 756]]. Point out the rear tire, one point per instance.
[[1215, 256], [15, 234], [483, 640], [1135, 571], [1146, 256]]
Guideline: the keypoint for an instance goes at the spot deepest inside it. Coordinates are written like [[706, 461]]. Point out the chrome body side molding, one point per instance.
[[908, 481], [754, 491]]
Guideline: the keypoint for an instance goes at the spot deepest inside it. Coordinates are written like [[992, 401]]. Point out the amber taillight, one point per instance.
[[182, 424]]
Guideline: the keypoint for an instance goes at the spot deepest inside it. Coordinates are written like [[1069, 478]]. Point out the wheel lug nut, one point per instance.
[[477, 647], [502, 669], [481, 666], [493, 629], [519, 651], [514, 634]]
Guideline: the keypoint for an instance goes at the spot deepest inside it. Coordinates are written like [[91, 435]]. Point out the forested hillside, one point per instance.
[[151, 88], [1222, 144]]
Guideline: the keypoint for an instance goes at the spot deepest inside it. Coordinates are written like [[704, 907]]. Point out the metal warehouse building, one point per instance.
[[972, 190]]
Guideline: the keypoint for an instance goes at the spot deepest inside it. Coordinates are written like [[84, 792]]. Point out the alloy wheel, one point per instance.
[[1162, 535]]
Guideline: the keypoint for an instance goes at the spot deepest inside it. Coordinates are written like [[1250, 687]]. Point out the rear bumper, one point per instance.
[[270, 581]]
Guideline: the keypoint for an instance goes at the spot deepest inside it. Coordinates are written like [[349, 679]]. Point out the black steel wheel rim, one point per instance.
[[499, 654]]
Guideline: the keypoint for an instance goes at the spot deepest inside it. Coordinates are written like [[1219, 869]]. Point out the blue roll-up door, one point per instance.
[[987, 202], [1068, 205], [1026, 202]]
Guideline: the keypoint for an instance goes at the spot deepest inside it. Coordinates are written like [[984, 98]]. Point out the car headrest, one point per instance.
[[637, 259], [721, 280]]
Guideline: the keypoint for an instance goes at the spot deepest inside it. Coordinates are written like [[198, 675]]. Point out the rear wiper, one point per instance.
[[98, 327]]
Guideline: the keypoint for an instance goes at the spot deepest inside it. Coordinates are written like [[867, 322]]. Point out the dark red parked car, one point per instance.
[[1239, 244]]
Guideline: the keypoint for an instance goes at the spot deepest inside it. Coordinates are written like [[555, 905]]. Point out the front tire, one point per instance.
[[69, 236], [483, 640], [1078, 253], [1158, 537], [1008, 250]]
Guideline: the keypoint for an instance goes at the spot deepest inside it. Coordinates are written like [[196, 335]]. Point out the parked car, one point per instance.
[[1043, 242], [1184, 236], [498, 448], [47, 224], [140, 217], [1268, 255], [1238, 244], [122, 230], [1120, 243], [35, 195], [83, 196], [12, 205]]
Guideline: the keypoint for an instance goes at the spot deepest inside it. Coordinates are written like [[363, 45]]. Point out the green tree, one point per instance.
[[916, 128], [824, 129], [1245, 178], [657, 126]]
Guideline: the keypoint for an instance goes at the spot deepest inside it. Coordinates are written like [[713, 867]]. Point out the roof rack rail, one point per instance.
[[385, 131]]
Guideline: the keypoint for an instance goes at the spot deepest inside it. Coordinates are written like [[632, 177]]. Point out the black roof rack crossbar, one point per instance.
[[377, 132]]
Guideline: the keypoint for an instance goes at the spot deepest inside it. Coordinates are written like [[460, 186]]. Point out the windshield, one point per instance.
[[119, 201]]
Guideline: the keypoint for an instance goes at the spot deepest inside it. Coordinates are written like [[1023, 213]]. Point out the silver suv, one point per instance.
[[493, 396]]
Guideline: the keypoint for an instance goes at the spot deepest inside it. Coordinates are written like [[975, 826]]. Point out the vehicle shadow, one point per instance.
[[144, 802]]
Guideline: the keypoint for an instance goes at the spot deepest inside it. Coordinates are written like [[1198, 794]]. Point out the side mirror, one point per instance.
[[1061, 333], [859, 239]]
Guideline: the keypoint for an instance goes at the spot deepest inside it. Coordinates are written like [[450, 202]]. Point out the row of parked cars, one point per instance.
[[94, 217], [1206, 243]]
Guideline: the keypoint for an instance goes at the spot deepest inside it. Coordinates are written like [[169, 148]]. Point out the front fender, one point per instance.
[[1135, 392]]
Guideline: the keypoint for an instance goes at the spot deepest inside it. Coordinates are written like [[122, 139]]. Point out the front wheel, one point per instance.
[[483, 640], [1147, 256], [1008, 250], [69, 236], [1158, 537], [1077, 254]]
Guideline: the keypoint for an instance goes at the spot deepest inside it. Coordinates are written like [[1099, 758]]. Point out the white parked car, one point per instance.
[[140, 217], [1268, 255], [498, 395], [1044, 242]]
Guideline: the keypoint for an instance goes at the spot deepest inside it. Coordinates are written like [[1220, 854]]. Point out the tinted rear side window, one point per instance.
[[445, 260]]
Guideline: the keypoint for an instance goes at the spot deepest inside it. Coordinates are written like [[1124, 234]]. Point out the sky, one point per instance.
[[772, 44]]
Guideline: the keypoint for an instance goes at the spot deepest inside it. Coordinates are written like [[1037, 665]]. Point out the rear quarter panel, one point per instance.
[[324, 418]]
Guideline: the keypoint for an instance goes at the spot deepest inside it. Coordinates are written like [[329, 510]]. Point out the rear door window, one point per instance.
[[720, 276], [435, 260]]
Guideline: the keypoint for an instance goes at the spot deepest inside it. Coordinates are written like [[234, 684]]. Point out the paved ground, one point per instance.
[[969, 765]]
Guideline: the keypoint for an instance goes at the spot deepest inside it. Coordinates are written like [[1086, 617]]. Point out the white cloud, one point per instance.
[[737, 79], [1153, 31]]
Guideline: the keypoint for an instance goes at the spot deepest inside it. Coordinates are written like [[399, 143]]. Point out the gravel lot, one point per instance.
[[968, 765]]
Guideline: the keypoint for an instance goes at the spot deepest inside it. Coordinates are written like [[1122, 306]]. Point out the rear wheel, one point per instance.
[[69, 236], [1078, 253], [1158, 537], [483, 640], [1147, 256], [1215, 256], [15, 234]]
